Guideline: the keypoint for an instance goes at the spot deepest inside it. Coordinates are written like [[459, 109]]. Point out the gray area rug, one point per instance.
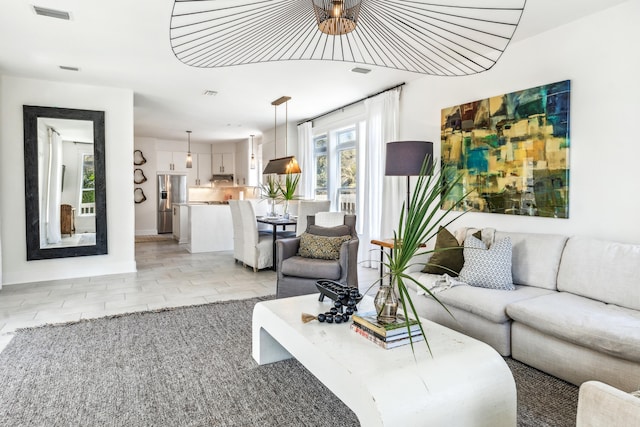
[[192, 366]]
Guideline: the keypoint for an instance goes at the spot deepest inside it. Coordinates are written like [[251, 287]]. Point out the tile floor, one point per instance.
[[168, 276]]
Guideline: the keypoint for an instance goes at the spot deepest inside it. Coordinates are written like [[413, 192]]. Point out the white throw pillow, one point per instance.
[[487, 268]]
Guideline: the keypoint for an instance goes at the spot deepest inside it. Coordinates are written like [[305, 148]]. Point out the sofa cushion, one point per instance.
[[338, 230], [606, 328], [447, 257], [487, 268], [602, 270], [321, 247], [535, 258], [487, 303], [312, 268]]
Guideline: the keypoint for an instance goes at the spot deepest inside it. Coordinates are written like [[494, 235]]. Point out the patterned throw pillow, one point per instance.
[[321, 247], [487, 268]]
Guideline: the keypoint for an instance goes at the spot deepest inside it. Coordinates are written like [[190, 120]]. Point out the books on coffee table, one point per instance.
[[386, 335], [384, 330], [389, 342]]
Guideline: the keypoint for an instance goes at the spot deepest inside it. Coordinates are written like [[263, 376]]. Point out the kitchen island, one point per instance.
[[208, 227]]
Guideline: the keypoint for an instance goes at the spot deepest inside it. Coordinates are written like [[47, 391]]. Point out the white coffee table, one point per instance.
[[464, 383]]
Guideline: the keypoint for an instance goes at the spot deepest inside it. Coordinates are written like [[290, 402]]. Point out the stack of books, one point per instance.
[[388, 335]]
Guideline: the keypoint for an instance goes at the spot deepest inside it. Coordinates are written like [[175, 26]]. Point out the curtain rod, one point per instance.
[[351, 103]]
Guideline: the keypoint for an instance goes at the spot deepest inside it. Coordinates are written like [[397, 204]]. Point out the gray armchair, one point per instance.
[[298, 275]]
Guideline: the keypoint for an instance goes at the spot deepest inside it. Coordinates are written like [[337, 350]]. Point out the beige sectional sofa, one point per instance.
[[575, 312]]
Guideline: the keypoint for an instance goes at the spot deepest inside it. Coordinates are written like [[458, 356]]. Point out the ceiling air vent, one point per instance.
[[361, 70], [68, 68], [52, 13]]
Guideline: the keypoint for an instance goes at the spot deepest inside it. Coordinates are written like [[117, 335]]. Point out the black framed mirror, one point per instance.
[[65, 183]]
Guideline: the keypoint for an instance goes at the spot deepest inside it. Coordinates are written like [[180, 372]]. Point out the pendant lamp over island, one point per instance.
[[189, 158], [252, 165], [282, 165]]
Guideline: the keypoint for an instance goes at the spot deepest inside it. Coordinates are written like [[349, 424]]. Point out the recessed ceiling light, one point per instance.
[[66, 67], [361, 70], [52, 13], [210, 93]]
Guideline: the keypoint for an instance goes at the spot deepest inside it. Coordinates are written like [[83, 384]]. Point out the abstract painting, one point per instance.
[[509, 153]]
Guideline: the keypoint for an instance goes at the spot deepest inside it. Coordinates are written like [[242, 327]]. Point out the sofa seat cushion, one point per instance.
[[489, 304], [312, 268], [585, 322]]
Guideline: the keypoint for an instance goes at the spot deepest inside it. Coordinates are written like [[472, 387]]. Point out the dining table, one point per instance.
[[275, 222]]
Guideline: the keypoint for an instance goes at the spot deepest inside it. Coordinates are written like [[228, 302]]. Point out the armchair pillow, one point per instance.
[[321, 247], [337, 231]]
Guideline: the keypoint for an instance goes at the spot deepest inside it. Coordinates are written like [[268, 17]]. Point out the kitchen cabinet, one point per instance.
[[203, 173], [222, 163], [244, 175], [175, 161], [210, 228]]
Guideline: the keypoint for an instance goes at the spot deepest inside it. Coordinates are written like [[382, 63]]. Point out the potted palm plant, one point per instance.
[[288, 191], [417, 225], [270, 190]]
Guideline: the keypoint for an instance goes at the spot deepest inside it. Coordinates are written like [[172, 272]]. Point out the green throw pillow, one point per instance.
[[321, 247], [449, 257]]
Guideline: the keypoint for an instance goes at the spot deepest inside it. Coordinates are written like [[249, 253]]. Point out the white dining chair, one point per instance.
[[238, 238], [257, 247], [309, 207]]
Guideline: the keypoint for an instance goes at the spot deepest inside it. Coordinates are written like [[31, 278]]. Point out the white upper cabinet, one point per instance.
[[171, 161], [222, 163], [202, 167]]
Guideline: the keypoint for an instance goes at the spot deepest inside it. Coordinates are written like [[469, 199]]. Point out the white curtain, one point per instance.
[[306, 186], [381, 194], [54, 188]]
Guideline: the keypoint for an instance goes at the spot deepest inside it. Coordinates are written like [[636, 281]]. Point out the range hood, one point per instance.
[[225, 180]]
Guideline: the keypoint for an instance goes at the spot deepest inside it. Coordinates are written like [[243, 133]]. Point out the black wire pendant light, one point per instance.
[[444, 38]]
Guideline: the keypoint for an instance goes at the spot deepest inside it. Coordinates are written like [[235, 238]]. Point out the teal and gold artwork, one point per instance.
[[512, 151]]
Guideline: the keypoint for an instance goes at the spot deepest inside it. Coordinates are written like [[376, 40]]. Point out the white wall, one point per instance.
[[118, 106], [599, 56]]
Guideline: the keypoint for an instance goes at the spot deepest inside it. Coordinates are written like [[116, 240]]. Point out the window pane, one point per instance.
[[347, 136], [321, 143], [321, 171], [348, 168], [88, 172], [88, 196]]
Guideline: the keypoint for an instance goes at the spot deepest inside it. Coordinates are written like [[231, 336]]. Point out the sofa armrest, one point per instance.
[[600, 405]]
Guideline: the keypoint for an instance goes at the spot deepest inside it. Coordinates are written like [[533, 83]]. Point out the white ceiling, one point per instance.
[[124, 43]]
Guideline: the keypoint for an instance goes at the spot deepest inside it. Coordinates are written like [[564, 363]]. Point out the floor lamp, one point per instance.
[[405, 158]]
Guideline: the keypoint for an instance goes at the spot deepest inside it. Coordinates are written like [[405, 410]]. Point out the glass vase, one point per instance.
[[285, 209], [386, 303], [272, 208]]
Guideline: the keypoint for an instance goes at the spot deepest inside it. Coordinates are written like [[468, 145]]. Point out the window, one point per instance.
[[347, 164], [336, 167], [320, 160], [87, 190]]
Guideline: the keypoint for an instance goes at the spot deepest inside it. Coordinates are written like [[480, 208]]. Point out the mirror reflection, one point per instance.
[[65, 190], [67, 179]]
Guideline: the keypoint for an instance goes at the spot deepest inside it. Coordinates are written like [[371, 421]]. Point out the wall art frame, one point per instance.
[[512, 151]]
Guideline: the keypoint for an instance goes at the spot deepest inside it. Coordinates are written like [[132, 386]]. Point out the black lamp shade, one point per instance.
[[405, 158], [282, 166]]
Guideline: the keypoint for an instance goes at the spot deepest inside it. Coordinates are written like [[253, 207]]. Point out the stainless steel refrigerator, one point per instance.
[[171, 189]]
